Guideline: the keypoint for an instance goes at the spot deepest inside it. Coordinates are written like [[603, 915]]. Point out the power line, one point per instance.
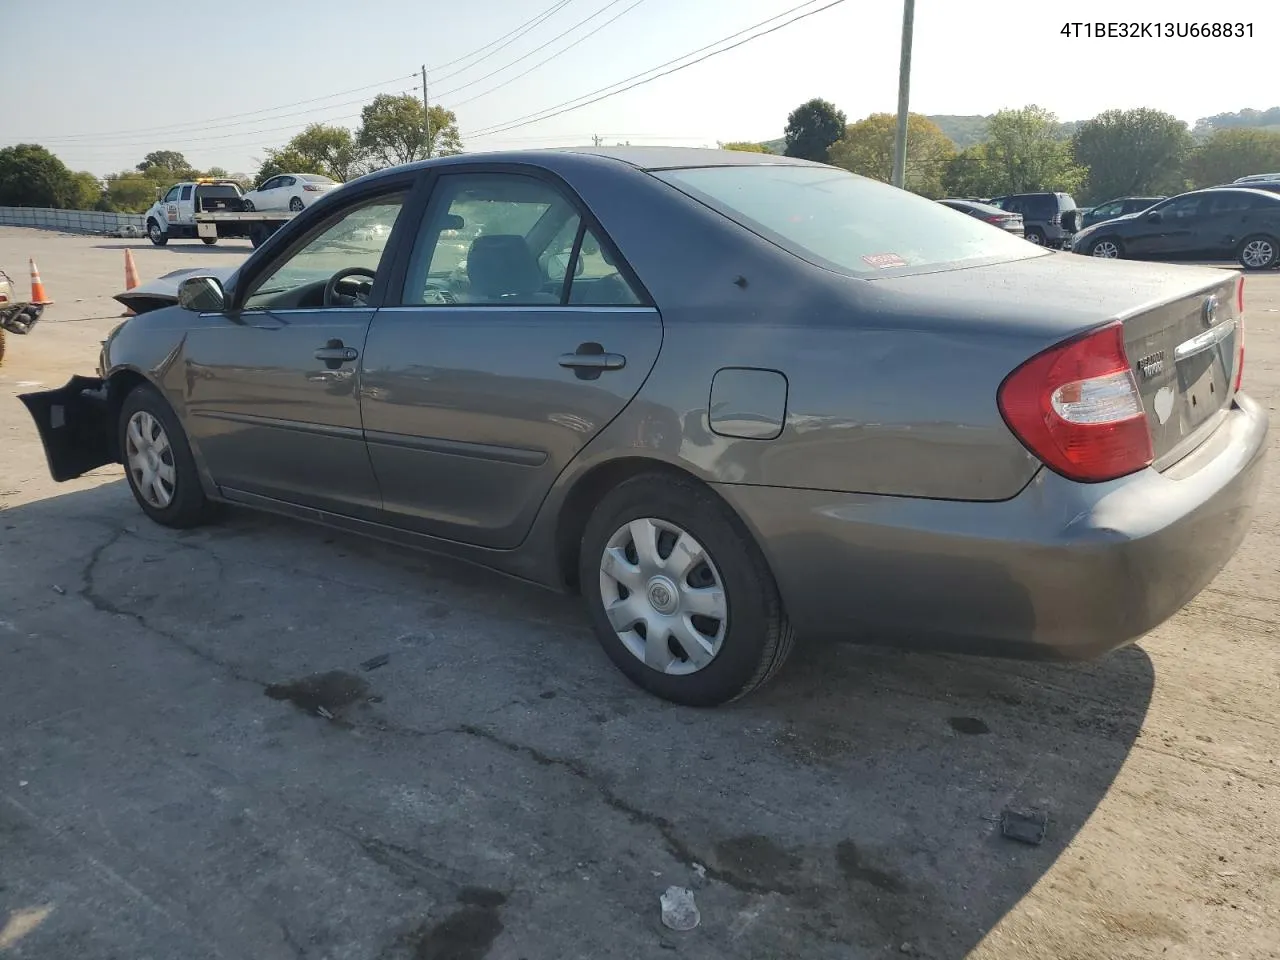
[[546, 60], [529, 24], [562, 108], [561, 35]]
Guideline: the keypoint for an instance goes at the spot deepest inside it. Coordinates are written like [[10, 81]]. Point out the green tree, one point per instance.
[[129, 192], [31, 176], [812, 128], [972, 174], [393, 131], [1132, 152], [88, 191], [1027, 153], [326, 150], [168, 160], [744, 146], [867, 148], [1232, 153]]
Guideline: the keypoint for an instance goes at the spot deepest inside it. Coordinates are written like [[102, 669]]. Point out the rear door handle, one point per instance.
[[593, 361]]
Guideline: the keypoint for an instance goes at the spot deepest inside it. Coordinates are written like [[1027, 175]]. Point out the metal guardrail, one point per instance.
[[73, 221]]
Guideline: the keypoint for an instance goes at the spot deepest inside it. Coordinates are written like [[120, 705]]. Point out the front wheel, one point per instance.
[[158, 462], [679, 595], [1106, 248], [1259, 252], [248, 206], [156, 235]]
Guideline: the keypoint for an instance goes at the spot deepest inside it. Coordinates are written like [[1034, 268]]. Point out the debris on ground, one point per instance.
[[1023, 827], [324, 694], [373, 663], [700, 870], [679, 912], [59, 590]]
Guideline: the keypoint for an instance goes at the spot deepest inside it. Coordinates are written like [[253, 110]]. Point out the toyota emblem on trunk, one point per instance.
[[1210, 314]]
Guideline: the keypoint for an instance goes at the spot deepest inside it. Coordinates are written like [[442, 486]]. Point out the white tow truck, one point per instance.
[[209, 209]]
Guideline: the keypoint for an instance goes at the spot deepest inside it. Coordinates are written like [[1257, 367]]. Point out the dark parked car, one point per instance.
[[1270, 186], [1011, 222], [1217, 223], [1117, 208], [732, 398], [1049, 218]]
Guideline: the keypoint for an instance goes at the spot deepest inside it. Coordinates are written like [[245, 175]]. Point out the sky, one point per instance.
[[116, 80]]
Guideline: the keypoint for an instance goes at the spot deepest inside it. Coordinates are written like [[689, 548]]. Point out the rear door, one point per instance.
[[187, 204], [1226, 223], [520, 334]]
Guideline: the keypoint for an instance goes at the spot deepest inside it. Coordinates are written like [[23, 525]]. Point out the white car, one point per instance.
[[289, 191]]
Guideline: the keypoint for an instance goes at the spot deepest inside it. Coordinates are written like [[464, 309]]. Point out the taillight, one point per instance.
[[311, 188], [1076, 406], [998, 218], [1239, 332]]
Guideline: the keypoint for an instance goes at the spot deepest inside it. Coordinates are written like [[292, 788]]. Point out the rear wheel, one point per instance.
[[679, 594], [158, 462], [156, 235], [1260, 252], [1106, 248], [1035, 235], [209, 241], [295, 204]]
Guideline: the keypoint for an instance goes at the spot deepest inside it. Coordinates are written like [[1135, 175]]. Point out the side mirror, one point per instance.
[[202, 295]]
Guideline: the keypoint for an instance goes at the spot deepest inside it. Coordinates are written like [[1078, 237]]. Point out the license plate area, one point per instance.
[[204, 229], [1204, 378]]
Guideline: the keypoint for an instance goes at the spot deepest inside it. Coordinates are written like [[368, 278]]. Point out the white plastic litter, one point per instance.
[[679, 912]]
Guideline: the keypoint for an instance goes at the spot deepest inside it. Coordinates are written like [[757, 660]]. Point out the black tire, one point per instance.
[[295, 204], [1094, 245], [1035, 235], [1250, 247], [155, 234], [189, 506], [209, 241], [757, 636], [248, 206], [258, 235]]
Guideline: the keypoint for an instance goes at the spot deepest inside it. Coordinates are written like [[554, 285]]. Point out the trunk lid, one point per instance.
[[1182, 351]]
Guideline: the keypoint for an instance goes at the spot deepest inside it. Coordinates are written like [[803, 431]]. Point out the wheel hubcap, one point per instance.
[[1257, 253], [1106, 250], [663, 596], [1034, 238], [150, 459]]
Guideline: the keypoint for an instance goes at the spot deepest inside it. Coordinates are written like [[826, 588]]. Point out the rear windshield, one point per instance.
[[845, 222], [316, 178], [209, 190]]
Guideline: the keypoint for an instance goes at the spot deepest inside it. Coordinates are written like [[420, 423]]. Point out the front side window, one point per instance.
[[1183, 208], [354, 240], [508, 240], [171, 196], [845, 222]]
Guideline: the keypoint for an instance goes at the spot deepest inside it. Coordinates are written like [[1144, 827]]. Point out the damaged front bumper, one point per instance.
[[77, 426]]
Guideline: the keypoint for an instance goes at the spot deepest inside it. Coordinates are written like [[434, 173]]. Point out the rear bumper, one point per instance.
[[1064, 569]]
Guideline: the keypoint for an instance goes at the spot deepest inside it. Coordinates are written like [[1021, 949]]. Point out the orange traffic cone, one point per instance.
[[130, 278], [38, 295]]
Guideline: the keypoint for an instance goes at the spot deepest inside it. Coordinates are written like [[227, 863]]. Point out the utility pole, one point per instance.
[[596, 140], [904, 95], [426, 109]]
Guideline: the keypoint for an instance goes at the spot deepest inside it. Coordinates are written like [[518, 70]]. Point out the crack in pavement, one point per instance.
[[676, 846]]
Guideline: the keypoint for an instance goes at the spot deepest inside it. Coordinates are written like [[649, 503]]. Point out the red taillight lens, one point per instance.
[[1239, 332], [1076, 406], [311, 188], [997, 218]]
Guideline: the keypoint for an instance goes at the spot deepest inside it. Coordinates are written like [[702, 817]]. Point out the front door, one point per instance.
[[272, 397], [520, 335], [187, 205], [1175, 233]]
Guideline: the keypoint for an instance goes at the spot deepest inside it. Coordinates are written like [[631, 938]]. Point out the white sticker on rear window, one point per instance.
[[882, 260]]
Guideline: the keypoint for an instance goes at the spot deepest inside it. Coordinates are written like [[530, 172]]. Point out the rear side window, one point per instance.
[[186, 193], [845, 222]]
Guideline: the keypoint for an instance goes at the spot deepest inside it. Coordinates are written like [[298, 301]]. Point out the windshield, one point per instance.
[[845, 222]]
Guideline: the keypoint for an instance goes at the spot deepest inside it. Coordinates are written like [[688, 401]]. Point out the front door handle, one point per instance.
[[334, 354], [590, 359]]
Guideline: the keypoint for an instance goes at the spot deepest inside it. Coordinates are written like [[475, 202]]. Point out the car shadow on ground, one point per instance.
[[848, 809]]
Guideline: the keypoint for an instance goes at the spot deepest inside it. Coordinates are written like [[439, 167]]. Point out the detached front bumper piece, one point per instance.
[[76, 426]]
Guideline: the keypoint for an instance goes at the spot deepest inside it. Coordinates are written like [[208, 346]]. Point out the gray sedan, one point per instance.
[[730, 398]]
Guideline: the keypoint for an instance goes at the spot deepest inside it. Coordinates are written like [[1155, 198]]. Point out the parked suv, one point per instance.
[[1049, 218]]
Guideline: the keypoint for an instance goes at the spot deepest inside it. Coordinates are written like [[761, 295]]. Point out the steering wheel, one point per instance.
[[332, 298]]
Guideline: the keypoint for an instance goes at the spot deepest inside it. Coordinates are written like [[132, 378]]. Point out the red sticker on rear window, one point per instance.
[[883, 260]]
